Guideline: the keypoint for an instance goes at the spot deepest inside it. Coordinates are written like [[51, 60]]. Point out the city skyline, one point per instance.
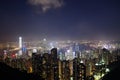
[[59, 19]]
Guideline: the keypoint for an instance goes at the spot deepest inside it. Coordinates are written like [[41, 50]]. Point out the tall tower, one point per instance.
[[20, 42], [20, 45]]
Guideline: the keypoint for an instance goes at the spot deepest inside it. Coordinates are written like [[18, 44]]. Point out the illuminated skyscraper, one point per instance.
[[20, 42], [20, 46], [79, 70], [104, 57], [67, 71]]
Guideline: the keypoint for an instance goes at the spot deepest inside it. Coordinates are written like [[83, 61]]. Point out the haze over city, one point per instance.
[[59, 19]]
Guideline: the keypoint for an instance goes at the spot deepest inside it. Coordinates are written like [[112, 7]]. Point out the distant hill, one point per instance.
[[6, 72], [114, 74]]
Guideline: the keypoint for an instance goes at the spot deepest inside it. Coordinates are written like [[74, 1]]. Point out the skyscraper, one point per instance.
[[20, 42], [79, 70], [54, 64]]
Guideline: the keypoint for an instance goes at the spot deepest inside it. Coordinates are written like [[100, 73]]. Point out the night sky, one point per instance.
[[59, 19]]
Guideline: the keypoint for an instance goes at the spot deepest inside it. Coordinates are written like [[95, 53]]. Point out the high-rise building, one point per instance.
[[104, 57], [79, 70], [64, 70], [46, 66], [36, 63], [62, 55], [54, 64], [20, 42], [20, 46]]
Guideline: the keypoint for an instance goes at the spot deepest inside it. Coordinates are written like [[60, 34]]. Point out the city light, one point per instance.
[[64, 58]]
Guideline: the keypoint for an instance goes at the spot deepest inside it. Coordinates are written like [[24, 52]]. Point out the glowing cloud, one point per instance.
[[45, 5]]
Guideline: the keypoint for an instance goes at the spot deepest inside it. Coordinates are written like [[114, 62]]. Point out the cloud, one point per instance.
[[45, 5]]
